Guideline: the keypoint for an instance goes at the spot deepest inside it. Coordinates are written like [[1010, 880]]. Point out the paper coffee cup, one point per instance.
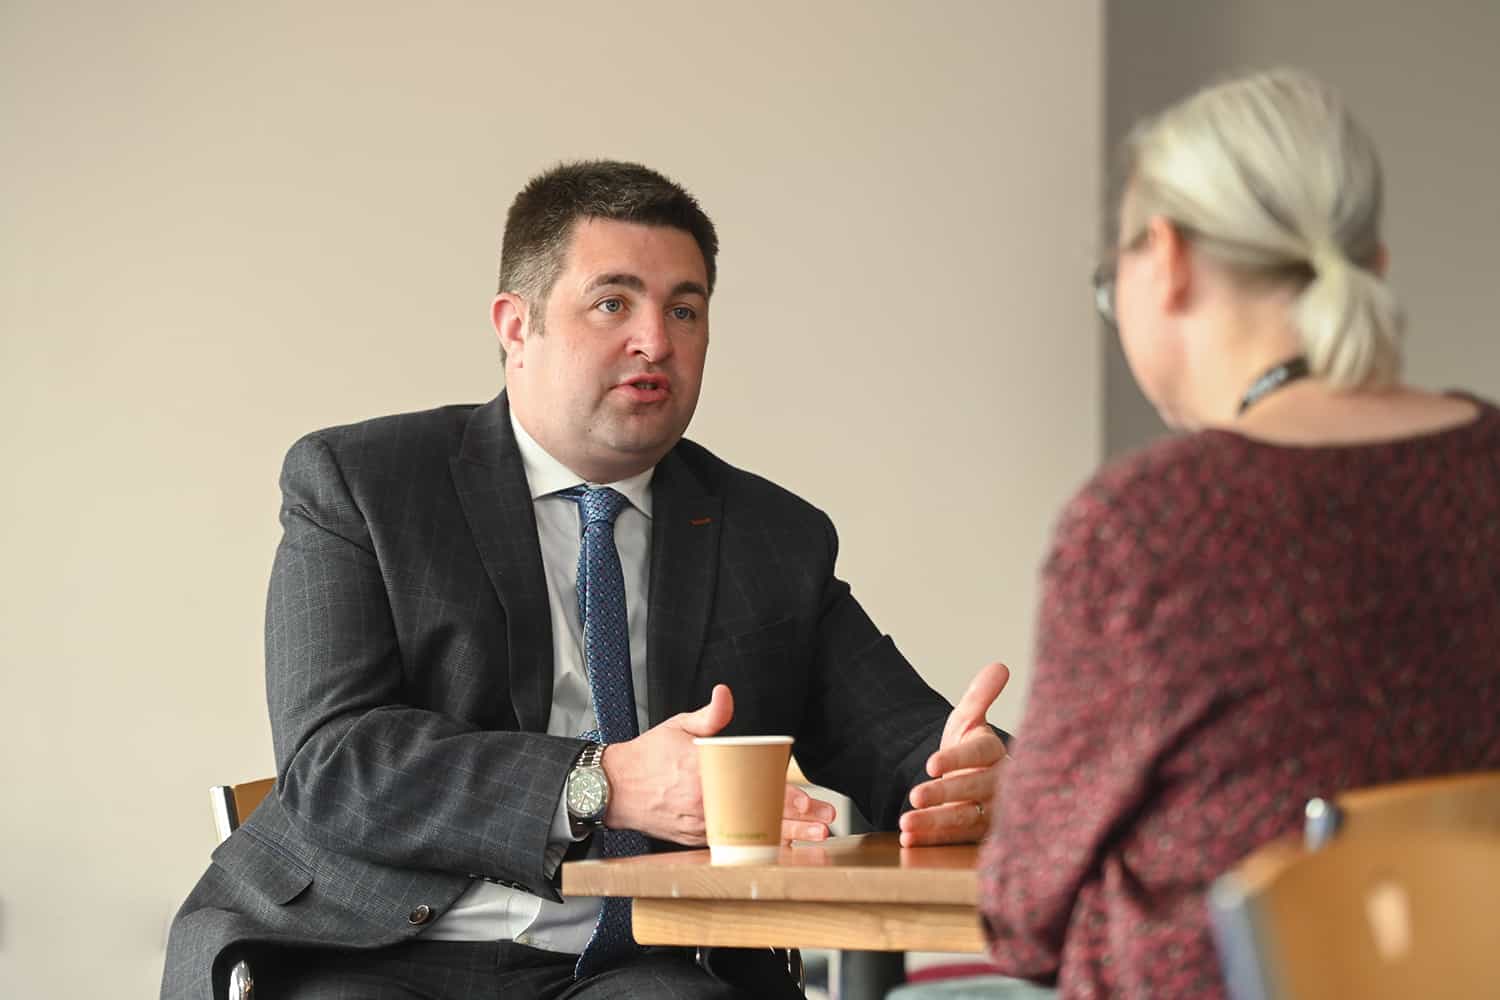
[[744, 795]]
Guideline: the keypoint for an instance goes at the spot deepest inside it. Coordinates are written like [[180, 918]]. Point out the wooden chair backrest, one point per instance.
[[233, 804], [1376, 916], [1451, 802]]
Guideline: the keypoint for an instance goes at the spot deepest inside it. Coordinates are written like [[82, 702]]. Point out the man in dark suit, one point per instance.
[[493, 632]]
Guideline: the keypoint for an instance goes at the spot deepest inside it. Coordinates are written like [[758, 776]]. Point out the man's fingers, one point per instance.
[[711, 718], [967, 786], [952, 730], [691, 830], [805, 818], [984, 689], [801, 806], [794, 830], [950, 823], [948, 816], [976, 701], [977, 748]]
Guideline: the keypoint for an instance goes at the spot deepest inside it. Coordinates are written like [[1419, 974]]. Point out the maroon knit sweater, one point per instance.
[[1227, 629]]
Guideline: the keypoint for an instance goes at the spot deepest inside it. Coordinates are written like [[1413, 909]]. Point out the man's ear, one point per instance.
[[1381, 265], [508, 317]]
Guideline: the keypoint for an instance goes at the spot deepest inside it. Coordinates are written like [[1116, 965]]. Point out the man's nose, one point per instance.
[[649, 337]]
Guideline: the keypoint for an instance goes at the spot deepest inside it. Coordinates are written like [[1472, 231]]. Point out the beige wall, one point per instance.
[[1422, 77], [223, 227]]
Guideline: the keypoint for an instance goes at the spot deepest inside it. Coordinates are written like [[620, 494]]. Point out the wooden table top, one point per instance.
[[869, 868]]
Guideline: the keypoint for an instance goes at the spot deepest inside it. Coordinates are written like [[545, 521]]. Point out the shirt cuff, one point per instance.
[[561, 837]]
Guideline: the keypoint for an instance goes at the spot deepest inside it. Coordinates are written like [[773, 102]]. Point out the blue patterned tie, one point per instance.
[[606, 653]]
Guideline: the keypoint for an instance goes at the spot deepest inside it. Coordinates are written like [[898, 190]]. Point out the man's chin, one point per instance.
[[638, 448], [644, 432], [645, 448]]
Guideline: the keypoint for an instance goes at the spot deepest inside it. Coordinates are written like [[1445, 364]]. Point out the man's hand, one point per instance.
[[654, 785], [954, 808], [805, 818]]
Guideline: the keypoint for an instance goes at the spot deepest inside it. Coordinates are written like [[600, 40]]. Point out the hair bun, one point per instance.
[[1351, 324], [1325, 256], [1274, 172]]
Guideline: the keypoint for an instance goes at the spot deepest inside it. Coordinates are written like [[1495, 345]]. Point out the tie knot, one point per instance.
[[597, 504]]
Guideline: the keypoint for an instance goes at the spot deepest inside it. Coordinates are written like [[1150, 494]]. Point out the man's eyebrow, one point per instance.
[[629, 281], [624, 279]]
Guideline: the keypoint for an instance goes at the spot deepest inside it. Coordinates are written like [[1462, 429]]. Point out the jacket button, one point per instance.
[[420, 915]]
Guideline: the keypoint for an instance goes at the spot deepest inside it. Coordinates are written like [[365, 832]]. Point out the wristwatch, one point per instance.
[[587, 794]]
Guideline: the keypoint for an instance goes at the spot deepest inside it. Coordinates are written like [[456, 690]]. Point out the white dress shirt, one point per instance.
[[490, 912]]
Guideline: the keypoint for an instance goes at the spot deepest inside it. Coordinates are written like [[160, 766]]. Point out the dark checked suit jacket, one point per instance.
[[409, 674]]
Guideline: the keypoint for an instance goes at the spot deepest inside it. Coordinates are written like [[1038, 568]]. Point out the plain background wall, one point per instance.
[[1422, 78], [223, 227]]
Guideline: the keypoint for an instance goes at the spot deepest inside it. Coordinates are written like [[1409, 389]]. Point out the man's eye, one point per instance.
[[610, 306], [684, 313]]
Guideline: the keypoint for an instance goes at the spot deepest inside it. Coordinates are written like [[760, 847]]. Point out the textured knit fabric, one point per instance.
[[1227, 629]]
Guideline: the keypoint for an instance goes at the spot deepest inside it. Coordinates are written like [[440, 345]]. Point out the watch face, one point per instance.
[[586, 791]]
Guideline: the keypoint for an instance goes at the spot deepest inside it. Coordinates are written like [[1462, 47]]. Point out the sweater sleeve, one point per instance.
[[1083, 760]]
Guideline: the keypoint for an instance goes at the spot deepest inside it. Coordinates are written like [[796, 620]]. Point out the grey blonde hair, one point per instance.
[[1272, 177]]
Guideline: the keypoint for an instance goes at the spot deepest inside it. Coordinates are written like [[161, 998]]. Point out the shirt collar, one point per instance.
[[545, 475]]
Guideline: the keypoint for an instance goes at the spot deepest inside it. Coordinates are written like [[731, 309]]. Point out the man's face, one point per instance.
[[610, 385]]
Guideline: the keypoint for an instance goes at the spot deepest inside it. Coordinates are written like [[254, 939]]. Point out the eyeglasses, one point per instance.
[[1104, 292], [1106, 277]]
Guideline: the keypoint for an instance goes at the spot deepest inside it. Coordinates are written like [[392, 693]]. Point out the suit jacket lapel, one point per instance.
[[491, 484], [684, 567]]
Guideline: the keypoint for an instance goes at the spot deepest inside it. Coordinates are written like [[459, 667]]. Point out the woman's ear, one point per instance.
[[1171, 263]]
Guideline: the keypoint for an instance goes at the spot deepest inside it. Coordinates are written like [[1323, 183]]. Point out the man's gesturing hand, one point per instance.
[[954, 808], [654, 785]]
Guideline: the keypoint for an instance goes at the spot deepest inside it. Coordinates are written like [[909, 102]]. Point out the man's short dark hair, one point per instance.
[[539, 226]]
